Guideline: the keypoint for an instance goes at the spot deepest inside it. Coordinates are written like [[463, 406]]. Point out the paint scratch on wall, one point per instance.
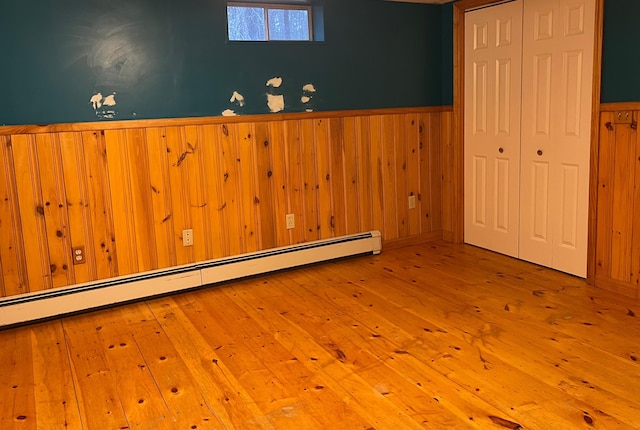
[[307, 94], [96, 101], [237, 98], [109, 100], [275, 102], [104, 107], [274, 82]]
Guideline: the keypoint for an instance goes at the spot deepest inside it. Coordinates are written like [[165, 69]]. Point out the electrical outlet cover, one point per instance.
[[187, 237], [291, 221]]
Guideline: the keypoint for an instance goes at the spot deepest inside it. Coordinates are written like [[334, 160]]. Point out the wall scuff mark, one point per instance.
[[308, 91], [275, 101], [104, 107], [96, 101], [109, 100], [274, 82], [238, 100]]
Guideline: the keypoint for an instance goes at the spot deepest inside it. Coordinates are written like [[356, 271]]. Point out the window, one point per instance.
[[263, 22]]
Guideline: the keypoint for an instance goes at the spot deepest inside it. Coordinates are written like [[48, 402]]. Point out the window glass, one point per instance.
[[261, 22], [285, 24], [246, 23]]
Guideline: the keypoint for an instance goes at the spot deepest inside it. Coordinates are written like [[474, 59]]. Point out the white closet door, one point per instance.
[[558, 42], [493, 58]]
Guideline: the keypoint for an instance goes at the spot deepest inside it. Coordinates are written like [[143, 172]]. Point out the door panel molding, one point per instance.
[[493, 129]]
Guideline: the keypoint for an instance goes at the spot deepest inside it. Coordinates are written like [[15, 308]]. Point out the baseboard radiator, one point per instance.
[[81, 297]]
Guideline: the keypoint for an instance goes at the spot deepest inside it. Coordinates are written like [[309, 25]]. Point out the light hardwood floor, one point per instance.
[[430, 336]]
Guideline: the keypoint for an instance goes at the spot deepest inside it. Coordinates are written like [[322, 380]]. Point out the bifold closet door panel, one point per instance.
[[558, 44], [493, 49]]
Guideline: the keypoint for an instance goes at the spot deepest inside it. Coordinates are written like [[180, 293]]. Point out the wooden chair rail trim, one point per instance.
[[612, 107], [209, 120]]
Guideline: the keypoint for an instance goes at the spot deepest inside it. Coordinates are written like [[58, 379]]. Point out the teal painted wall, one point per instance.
[[170, 58], [447, 54], [621, 51]]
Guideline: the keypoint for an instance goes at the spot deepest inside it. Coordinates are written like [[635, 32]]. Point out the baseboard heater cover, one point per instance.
[[60, 301]]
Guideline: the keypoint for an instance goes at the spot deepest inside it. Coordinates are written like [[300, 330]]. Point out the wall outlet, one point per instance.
[[187, 237], [412, 202], [291, 221], [78, 254]]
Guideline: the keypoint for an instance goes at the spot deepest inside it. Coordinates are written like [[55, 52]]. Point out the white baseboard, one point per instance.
[[60, 301]]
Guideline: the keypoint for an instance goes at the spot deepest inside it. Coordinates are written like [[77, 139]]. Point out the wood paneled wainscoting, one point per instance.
[[125, 191], [618, 200]]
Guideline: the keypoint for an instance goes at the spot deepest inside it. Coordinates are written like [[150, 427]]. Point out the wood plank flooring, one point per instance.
[[428, 336]]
